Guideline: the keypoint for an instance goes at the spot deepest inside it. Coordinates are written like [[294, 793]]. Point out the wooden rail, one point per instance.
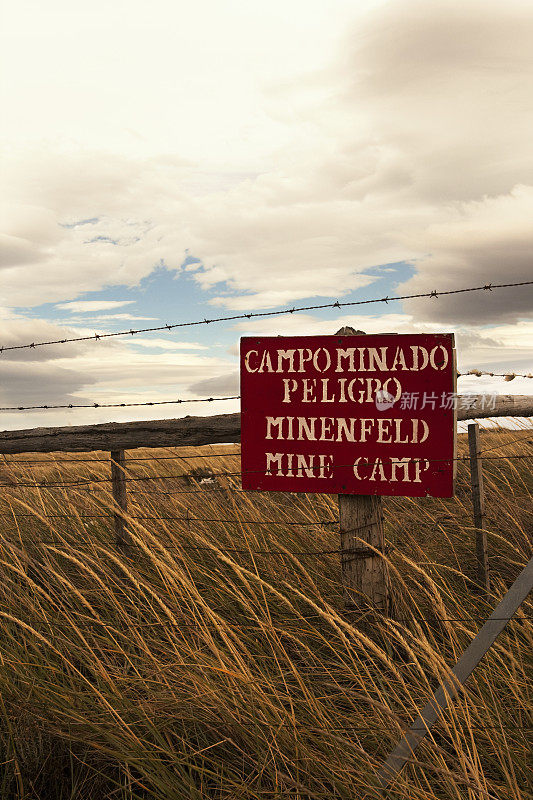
[[194, 431], [124, 435]]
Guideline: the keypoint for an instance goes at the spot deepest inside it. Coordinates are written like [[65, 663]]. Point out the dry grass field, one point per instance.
[[196, 665]]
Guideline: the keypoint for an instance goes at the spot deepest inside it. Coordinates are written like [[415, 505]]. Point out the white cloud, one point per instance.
[[103, 318], [107, 371], [167, 344], [20, 330], [176, 79], [87, 306]]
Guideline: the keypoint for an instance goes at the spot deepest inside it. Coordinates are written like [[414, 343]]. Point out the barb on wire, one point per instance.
[[213, 475], [256, 314]]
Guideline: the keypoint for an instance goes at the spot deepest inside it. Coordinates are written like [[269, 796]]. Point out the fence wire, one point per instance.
[[120, 405], [177, 456], [214, 475], [128, 404], [488, 287]]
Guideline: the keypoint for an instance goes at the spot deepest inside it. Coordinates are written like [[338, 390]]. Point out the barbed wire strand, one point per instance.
[[259, 314], [509, 376], [184, 401], [177, 519], [363, 552], [176, 456], [203, 490], [118, 405], [213, 475], [358, 552], [182, 491], [109, 460], [506, 444]]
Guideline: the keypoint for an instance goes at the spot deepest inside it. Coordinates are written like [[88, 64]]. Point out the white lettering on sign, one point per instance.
[[338, 390], [383, 430], [386, 469], [351, 359], [297, 465]]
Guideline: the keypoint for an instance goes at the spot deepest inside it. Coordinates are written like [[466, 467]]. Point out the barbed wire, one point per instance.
[[171, 492], [213, 475], [354, 553], [177, 457], [257, 314], [506, 444], [109, 460], [180, 401], [237, 550], [118, 405], [509, 376], [187, 519]]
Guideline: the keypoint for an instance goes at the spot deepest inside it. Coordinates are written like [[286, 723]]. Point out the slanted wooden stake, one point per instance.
[[365, 574], [448, 690], [118, 466], [478, 500]]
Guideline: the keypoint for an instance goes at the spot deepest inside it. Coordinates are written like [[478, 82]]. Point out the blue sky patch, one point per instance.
[[168, 296]]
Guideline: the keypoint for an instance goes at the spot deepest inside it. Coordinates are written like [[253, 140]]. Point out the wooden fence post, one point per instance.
[[365, 575], [118, 466], [478, 501]]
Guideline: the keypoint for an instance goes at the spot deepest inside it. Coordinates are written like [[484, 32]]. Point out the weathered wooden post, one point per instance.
[[118, 482], [365, 574], [478, 501]]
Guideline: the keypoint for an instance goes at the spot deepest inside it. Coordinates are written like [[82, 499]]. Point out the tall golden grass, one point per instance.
[[223, 672]]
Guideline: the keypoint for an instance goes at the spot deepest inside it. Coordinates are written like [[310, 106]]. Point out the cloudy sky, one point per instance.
[[165, 161]]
